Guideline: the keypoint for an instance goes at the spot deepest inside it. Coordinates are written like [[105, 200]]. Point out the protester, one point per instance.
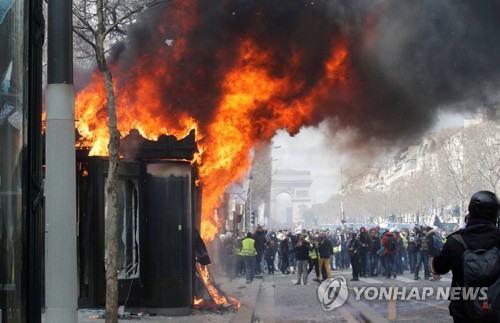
[[248, 252], [260, 240], [284, 252], [389, 242], [353, 247], [366, 242], [373, 255], [240, 262], [411, 250], [325, 249], [269, 253], [314, 259], [301, 250], [422, 253], [480, 233]]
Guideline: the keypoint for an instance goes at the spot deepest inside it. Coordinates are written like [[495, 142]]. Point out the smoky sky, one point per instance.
[[408, 59]]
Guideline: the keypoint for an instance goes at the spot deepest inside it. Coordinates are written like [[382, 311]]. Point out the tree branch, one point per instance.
[[84, 38], [133, 12]]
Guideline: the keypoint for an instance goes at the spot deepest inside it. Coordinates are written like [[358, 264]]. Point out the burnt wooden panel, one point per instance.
[[135, 147]]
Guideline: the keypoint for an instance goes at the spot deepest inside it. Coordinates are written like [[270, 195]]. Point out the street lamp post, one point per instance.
[[342, 214]]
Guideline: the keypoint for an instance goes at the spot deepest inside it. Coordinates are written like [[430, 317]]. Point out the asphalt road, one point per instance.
[[282, 301], [276, 298]]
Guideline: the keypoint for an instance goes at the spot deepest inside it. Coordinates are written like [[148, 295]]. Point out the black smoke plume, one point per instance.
[[408, 59]]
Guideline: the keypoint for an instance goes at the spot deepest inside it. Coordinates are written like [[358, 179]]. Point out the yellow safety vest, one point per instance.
[[237, 249], [248, 248], [313, 253]]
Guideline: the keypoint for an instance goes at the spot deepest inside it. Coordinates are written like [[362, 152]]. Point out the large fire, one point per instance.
[[253, 101]]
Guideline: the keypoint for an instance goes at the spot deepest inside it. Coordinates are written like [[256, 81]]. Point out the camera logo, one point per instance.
[[332, 293]]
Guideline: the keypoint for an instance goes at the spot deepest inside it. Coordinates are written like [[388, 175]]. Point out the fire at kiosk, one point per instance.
[[162, 258]]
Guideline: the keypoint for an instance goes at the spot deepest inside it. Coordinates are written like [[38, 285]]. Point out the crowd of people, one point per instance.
[[471, 253], [366, 252]]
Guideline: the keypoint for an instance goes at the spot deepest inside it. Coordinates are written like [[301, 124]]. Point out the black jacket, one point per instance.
[[302, 252], [325, 248], [366, 242], [284, 247], [260, 240], [270, 251], [354, 246], [479, 236], [376, 245]]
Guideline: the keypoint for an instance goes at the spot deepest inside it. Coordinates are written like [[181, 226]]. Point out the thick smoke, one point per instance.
[[408, 59]]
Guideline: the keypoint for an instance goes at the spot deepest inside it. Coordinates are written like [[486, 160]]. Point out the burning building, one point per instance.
[[159, 220], [158, 215]]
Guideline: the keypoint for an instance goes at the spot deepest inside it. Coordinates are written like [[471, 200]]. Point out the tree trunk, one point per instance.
[[112, 207], [111, 240]]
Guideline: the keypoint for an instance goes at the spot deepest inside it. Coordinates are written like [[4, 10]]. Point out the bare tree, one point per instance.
[[483, 146], [459, 170], [100, 24]]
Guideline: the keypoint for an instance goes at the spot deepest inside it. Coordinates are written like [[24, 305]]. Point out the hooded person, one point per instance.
[[260, 240], [480, 232], [325, 249], [366, 242], [389, 242], [354, 246]]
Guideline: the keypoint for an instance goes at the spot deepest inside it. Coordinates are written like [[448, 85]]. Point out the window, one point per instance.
[[128, 230]]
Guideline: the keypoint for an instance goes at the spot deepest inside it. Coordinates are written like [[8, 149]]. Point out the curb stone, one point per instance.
[[248, 301]]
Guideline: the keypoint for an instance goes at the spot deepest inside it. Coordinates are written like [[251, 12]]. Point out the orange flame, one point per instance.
[[197, 301], [252, 106], [236, 303], [214, 293]]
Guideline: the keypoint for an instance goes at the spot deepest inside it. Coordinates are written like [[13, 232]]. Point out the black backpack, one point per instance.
[[391, 243], [481, 268], [437, 243]]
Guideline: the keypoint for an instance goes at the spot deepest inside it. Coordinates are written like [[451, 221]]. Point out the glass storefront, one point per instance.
[[12, 141], [20, 161]]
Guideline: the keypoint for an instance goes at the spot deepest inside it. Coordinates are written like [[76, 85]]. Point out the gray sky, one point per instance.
[[309, 150]]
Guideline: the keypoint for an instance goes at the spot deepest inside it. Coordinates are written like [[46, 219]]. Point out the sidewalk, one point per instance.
[[246, 294]]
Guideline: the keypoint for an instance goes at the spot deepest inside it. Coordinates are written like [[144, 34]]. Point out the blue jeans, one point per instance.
[[374, 264], [399, 262], [336, 257], [422, 257], [390, 264], [404, 255], [344, 258], [291, 258], [249, 267], [412, 260]]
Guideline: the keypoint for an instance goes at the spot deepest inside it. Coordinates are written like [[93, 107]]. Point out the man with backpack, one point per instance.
[[389, 242], [465, 253]]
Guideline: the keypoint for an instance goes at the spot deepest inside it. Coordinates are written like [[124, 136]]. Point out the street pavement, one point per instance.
[[246, 294], [281, 300], [276, 299]]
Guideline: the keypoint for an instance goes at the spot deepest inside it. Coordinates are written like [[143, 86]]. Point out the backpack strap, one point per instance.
[[459, 238]]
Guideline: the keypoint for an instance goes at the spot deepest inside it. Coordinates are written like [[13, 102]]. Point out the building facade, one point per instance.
[[21, 37]]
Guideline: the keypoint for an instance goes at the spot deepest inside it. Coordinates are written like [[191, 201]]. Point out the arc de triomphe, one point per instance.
[[297, 184]]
